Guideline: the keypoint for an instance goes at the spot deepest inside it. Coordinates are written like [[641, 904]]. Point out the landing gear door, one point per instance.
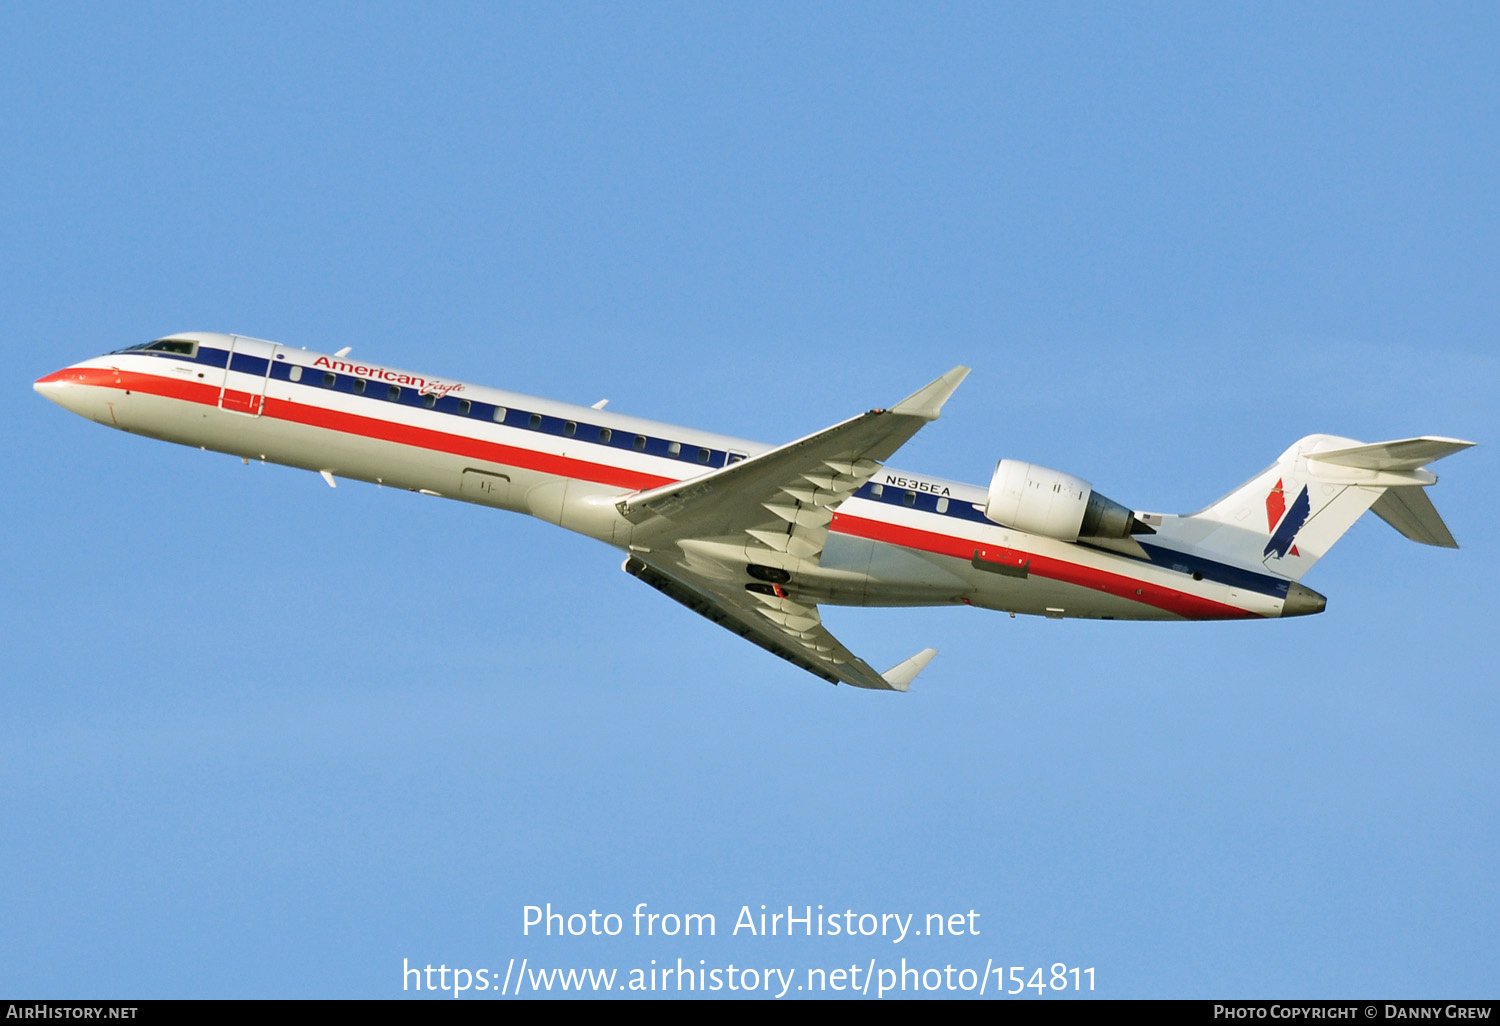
[[245, 375]]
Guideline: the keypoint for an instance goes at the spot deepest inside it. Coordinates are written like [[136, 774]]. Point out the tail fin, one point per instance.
[[1290, 514]]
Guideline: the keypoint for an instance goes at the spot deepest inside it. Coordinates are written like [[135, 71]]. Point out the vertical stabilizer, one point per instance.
[[1286, 517]]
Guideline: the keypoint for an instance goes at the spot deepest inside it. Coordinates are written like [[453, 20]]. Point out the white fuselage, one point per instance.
[[903, 539]]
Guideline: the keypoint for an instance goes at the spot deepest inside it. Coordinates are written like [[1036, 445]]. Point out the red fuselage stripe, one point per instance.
[[1173, 601], [203, 393]]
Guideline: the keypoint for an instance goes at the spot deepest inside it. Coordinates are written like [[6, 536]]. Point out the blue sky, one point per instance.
[[261, 738]]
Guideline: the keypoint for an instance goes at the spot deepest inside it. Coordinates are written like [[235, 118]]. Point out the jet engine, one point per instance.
[[1039, 500]]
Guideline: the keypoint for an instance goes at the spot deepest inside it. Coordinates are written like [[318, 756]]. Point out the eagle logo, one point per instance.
[[1284, 522]]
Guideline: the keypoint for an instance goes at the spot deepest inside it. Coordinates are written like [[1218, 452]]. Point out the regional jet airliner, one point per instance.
[[756, 537]]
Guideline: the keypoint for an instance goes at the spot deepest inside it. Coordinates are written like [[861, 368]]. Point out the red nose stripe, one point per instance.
[[66, 374]]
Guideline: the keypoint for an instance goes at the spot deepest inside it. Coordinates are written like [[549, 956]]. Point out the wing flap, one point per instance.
[[780, 625], [705, 606]]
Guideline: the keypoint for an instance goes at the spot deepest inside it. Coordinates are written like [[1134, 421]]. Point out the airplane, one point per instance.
[[757, 537]]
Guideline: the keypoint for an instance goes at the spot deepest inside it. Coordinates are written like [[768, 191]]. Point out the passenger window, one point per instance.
[[464, 406], [605, 434], [499, 415], [429, 400], [295, 373], [942, 506], [674, 448], [570, 429], [393, 393], [876, 491], [535, 421], [640, 442], [329, 379], [703, 455], [359, 386], [910, 498]]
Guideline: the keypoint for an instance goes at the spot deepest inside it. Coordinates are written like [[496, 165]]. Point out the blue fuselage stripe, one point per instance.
[[957, 509]]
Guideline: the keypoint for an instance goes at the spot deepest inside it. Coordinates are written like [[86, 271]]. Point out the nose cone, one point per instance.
[[54, 385], [75, 390], [1302, 601]]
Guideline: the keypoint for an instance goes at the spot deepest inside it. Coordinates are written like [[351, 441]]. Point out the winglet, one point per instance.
[[900, 676], [927, 402]]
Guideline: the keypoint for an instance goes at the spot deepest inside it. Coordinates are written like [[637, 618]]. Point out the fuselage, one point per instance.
[[904, 539]]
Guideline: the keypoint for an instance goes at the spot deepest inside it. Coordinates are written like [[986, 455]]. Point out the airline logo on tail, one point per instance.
[[1284, 523]]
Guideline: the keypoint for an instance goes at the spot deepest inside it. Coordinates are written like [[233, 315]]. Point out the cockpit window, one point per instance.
[[179, 346], [175, 346]]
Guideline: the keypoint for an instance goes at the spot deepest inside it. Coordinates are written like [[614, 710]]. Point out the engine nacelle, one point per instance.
[[1039, 500]]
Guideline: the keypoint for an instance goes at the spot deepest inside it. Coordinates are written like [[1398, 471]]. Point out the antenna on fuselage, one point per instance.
[[343, 352]]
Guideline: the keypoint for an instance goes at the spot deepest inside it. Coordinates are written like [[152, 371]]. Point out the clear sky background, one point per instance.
[[264, 738]]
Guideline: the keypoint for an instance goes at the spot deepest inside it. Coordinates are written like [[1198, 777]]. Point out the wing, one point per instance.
[[783, 498], [782, 626], [731, 543]]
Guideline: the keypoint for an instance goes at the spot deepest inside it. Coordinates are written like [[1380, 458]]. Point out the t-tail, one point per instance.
[[1286, 517]]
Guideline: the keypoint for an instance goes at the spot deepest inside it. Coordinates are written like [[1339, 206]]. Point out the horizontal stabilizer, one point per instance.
[[900, 676], [1411, 512], [1403, 454]]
